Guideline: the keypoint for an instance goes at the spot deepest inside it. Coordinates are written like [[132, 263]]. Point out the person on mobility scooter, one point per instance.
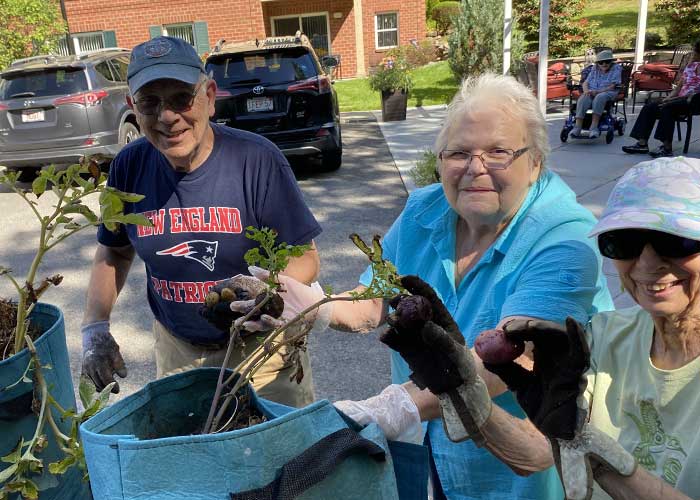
[[600, 85]]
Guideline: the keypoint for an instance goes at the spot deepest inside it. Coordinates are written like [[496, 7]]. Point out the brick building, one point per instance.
[[359, 31]]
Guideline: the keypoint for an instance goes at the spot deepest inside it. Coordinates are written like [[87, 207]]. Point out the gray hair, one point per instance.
[[504, 93]]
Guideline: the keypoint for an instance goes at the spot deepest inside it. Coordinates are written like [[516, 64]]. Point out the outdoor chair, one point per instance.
[[694, 110], [627, 66], [558, 76], [659, 77]]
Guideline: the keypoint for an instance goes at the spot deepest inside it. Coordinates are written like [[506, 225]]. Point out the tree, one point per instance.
[[684, 16], [567, 35], [476, 42], [28, 27]]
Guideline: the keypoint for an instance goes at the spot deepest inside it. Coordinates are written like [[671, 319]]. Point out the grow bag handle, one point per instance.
[[313, 465]]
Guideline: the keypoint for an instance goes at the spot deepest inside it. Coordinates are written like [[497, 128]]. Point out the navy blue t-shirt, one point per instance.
[[200, 218]]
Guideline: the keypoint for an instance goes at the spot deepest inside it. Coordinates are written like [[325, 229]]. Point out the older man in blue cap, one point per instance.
[[203, 184]]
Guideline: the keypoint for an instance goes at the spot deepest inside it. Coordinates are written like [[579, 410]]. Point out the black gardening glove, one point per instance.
[[101, 356], [549, 392], [239, 288], [430, 351]]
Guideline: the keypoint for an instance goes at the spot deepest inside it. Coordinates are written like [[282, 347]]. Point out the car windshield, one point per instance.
[[268, 68], [46, 82]]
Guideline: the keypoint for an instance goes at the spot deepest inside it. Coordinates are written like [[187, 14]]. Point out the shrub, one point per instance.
[[420, 54], [684, 16], [476, 42], [567, 35], [393, 73], [424, 171], [653, 40], [623, 39], [443, 14]]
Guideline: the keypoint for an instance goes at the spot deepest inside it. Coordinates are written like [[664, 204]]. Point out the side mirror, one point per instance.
[[330, 61]]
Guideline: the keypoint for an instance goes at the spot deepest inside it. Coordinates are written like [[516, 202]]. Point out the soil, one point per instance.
[[8, 321], [245, 415]]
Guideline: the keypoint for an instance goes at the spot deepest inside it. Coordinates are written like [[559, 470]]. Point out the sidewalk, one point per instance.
[[590, 168]]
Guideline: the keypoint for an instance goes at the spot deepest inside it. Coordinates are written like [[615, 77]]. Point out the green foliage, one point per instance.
[[653, 40], [684, 16], [567, 34], [419, 55], [429, 4], [386, 282], [624, 39], [274, 258], [393, 73], [476, 42], [443, 14], [425, 170], [28, 27]]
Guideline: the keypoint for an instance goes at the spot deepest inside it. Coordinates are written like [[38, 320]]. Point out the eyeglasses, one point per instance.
[[604, 62], [494, 159], [626, 244], [179, 102]]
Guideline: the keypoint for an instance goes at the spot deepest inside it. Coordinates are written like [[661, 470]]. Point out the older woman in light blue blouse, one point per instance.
[[599, 87]]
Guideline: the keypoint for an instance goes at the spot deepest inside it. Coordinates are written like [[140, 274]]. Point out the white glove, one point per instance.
[[392, 410], [297, 297], [573, 458]]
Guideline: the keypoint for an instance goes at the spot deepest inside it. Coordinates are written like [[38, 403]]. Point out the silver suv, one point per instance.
[[55, 109]]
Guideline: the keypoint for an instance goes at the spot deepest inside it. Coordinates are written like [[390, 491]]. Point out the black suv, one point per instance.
[[55, 109], [276, 87]]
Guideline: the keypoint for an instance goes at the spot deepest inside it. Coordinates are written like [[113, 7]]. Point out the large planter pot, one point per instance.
[[394, 104], [16, 417]]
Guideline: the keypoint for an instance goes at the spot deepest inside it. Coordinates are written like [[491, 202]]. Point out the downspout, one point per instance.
[[69, 42]]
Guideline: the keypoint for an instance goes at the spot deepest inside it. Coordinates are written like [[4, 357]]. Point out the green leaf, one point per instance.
[[8, 473], [62, 219], [39, 185], [62, 466], [29, 490], [137, 219], [130, 197], [86, 391], [16, 454]]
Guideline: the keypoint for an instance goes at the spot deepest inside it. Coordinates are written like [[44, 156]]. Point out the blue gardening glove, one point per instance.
[[101, 356]]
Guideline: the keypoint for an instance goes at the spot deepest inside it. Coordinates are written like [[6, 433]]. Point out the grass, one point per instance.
[[434, 84], [618, 20]]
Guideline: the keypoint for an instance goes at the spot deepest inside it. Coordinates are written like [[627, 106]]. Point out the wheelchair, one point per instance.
[[611, 120]]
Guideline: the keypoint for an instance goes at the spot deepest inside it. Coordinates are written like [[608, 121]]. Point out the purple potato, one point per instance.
[[495, 348]]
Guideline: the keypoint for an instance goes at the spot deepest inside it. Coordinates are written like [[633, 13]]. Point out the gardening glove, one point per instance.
[[101, 356], [392, 410], [552, 397], [297, 297], [240, 288], [440, 361]]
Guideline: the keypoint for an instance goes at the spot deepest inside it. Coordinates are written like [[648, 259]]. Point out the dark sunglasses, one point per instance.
[[625, 244], [604, 62], [178, 103]]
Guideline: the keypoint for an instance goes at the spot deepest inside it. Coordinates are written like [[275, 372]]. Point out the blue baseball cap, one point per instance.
[[163, 57]]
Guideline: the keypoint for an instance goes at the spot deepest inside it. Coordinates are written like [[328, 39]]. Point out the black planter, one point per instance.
[[394, 104]]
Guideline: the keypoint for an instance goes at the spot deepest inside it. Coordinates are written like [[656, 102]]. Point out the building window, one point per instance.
[[184, 31], [386, 30], [85, 42], [315, 26], [89, 41]]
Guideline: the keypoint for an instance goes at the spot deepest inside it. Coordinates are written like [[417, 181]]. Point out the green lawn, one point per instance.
[[434, 84], [618, 19]]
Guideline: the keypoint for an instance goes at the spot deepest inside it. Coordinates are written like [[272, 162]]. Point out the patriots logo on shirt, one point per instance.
[[201, 251]]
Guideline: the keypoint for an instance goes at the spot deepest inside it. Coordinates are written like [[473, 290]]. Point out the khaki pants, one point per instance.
[[271, 381]]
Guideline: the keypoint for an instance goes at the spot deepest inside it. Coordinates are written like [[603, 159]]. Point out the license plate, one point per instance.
[[257, 104], [32, 115]]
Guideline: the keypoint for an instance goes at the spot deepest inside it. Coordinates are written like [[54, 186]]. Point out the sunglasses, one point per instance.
[[626, 244], [604, 62], [178, 103]]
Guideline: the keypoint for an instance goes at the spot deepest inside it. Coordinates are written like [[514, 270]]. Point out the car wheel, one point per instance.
[[128, 133], [332, 160]]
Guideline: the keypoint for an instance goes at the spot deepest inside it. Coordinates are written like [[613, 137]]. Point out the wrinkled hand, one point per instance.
[[101, 356], [297, 298], [549, 392], [440, 361], [551, 395], [243, 288]]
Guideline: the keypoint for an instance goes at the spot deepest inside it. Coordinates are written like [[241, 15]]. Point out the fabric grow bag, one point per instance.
[[308, 453], [16, 416]]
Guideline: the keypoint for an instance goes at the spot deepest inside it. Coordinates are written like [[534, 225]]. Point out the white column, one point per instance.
[[641, 33], [507, 32], [359, 39], [544, 56]]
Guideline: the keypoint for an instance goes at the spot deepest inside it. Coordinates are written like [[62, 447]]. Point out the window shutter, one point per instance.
[[110, 38], [155, 31], [201, 37]]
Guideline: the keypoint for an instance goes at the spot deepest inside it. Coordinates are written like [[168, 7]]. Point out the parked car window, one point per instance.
[[120, 65], [103, 69], [270, 68], [47, 82]]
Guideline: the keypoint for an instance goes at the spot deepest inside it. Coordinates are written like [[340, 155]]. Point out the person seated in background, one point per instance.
[[666, 109], [599, 88]]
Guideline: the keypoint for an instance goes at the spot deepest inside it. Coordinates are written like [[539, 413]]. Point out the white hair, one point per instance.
[[504, 93]]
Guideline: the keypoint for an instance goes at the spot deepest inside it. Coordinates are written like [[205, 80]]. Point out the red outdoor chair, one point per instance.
[[659, 77], [558, 76]]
